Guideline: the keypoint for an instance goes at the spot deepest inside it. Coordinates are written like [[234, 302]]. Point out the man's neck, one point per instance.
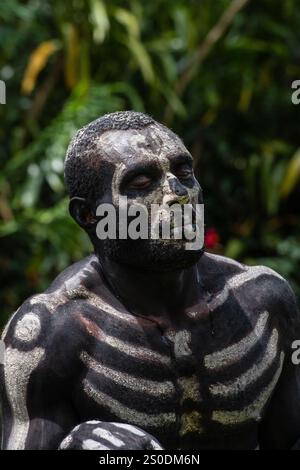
[[164, 294]]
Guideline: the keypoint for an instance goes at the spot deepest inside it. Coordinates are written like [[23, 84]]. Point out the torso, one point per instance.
[[201, 384]]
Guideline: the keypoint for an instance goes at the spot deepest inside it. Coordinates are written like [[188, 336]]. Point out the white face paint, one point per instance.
[[153, 144], [159, 158]]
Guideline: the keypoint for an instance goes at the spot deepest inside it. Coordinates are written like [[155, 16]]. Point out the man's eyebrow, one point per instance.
[[181, 158], [138, 168]]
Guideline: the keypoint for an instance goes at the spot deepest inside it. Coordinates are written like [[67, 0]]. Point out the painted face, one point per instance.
[[151, 166]]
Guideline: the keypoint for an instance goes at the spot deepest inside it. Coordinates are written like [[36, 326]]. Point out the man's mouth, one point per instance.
[[181, 227]]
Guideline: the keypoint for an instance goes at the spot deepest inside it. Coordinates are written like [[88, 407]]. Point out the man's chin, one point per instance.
[[153, 255]]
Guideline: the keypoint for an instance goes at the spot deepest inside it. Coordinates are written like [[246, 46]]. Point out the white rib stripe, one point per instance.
[[138, 352], [149, 387], [233, 353], [239, 280], [253, 411], [252, 374], [128, 414]]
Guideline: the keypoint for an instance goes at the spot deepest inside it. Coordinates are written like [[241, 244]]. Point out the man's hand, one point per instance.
[[99, 435]]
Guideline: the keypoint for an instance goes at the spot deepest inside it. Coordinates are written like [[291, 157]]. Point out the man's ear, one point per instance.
[[82, 212]]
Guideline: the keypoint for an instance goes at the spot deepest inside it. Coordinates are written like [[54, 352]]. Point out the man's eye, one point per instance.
[[140, 182], [184, 172]]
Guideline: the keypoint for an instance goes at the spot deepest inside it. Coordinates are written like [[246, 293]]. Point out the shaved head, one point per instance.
[[84, 157]]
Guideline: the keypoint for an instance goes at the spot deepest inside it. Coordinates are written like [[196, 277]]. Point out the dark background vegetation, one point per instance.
[[218, 72]]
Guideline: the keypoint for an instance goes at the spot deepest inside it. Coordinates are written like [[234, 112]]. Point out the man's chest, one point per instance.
[[191, 384]]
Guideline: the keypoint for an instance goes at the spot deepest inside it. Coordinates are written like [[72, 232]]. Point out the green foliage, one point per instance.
[[66, 63]]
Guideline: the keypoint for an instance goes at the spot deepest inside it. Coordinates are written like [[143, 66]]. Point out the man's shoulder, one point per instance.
[[235, 274], [49, 314], [217, 265], [84, 274], [259, 287]]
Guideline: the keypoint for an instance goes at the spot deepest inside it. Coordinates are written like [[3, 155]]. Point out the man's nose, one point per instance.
[[177, 193]]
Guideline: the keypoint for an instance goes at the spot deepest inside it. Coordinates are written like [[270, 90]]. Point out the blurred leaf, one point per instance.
[[128, 19], [292, 175], [100, 20], [37, 62], [245, 99], [174, 101], [72, 55], [30, 192], [135, 45], [234, 248], [142, 58]]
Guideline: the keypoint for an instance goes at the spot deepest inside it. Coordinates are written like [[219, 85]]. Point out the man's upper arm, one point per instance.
[[280, 428], [36, 410]]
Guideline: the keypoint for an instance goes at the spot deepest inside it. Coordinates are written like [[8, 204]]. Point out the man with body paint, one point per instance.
[[144, 344]]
